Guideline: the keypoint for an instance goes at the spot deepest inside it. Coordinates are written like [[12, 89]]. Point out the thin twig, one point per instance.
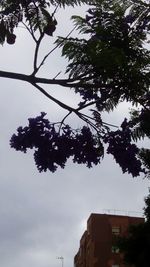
[[29, 30], [82, 117], [61, 104], [55, 10], [105, 123], [36, 53], [57, 75], [51, 51], [87, 105], [62, 122]]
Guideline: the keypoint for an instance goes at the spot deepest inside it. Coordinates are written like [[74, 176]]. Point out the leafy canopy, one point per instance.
[[108, 63], [136, 246]]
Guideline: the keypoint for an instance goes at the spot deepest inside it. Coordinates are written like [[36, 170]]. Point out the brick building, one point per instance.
[[98, 243]]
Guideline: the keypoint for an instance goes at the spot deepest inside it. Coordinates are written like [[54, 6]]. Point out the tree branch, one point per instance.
[[61, 104], [52, 50], [32, 79], [62, 82], [15, 76], [36, 54]]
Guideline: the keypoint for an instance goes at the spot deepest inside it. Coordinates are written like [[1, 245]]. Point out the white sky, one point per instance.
[[42, 216]]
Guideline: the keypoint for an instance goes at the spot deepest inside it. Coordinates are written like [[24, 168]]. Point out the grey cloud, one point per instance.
[[42, 215]]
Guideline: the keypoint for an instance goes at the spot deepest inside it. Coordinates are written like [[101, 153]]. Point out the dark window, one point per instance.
[[115, 249], [115, 230]]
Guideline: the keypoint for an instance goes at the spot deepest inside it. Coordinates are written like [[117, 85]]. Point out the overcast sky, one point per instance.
[[42, 216]]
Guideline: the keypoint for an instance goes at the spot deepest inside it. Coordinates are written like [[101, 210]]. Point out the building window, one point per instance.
[[115, 230], [115, 249]]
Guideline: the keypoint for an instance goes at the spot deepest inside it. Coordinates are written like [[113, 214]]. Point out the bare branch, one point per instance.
[[36, 53], [15, 76], [62, 122], [57, 75], [32, 79], [85, 118], [28, 29], [55, 10], [105, 123], [51, 51], [61, 104]]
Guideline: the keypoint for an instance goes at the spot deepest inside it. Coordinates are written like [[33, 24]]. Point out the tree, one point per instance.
[[107, 64], [136, 246]]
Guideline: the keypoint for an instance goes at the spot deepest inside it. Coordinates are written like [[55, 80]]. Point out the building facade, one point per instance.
[[98, 243]]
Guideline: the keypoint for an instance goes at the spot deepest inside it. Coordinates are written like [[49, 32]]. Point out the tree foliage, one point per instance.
[[108, 63], [32, 13], [50, 141], [136, 246]]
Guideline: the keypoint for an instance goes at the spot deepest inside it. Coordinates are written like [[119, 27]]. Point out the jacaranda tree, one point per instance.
[[108, 63]]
